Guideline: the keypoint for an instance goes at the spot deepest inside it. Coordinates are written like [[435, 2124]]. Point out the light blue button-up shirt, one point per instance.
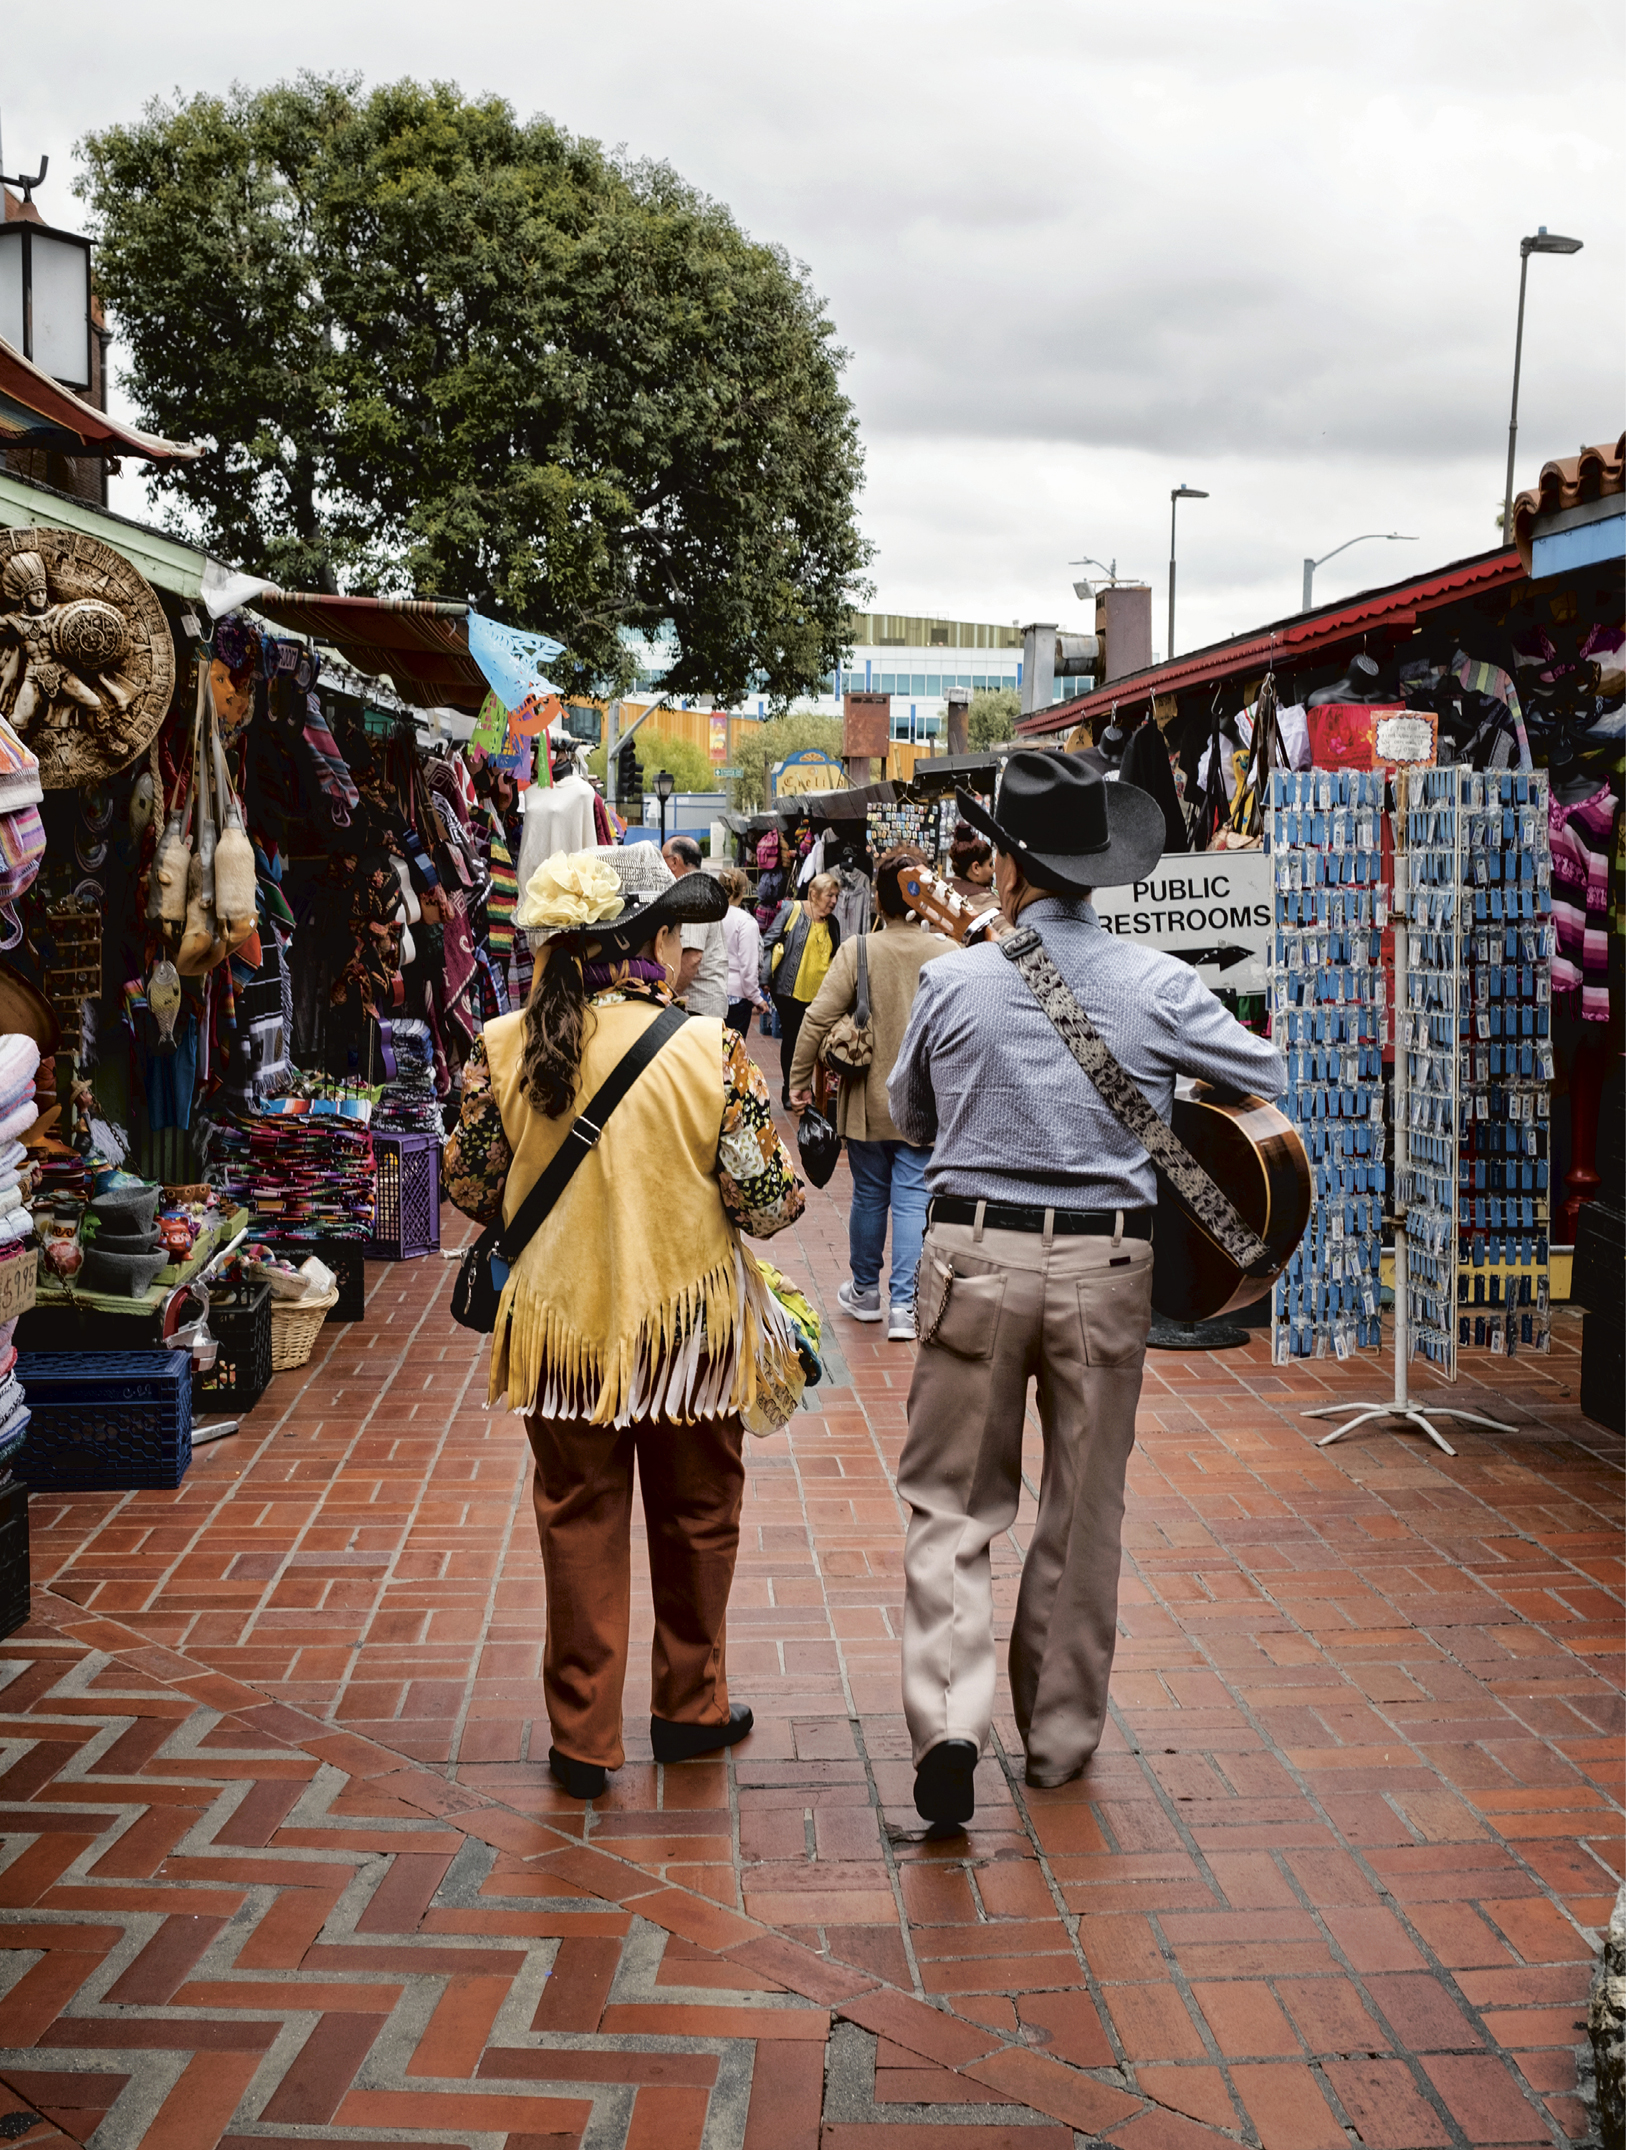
[[984, 1078]]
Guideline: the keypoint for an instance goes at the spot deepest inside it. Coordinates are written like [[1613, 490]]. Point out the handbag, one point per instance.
[[774, 954], [849, 1043], [477, 1291]]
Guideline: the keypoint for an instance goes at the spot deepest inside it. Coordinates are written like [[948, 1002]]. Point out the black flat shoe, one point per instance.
[[582, 1780], [682, 1742], [944, 1788]]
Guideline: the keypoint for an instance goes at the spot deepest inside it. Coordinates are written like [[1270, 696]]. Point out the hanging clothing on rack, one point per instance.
[[1582, 839]]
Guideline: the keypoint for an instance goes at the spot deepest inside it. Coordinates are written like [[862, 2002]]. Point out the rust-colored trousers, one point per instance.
[[692, 1479]]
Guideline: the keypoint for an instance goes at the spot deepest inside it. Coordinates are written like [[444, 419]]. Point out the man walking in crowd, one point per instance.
[[1037, 1266], [703, 975], [888, 1173]]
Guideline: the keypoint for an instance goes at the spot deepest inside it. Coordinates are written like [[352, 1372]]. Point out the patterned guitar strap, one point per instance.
[[1128, 1103]]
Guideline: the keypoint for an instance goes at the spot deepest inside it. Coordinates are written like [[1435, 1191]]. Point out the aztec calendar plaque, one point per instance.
[[87, 666]]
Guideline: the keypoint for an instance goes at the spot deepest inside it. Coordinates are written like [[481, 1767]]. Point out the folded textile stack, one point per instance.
[[16, 1185], [19, 1063], [13, 1407], [408, 1104], [304, 1166]]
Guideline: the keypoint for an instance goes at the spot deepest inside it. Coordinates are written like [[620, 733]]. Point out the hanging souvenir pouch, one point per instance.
[[22, 847]]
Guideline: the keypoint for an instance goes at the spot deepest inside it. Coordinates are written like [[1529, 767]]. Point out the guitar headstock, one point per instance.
[[942, 906]]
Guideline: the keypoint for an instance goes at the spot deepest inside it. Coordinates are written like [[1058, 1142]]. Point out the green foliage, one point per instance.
[[434, 347], [992, 716], [691, 765], [759, 746]]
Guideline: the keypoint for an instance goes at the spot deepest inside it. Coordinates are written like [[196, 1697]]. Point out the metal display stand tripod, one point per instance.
[[1400, 1406]]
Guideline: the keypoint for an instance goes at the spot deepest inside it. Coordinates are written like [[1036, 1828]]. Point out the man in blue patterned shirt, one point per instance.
[[1037, 1266]]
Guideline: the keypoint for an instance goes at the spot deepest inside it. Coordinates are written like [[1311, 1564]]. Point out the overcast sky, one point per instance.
[[1079, 253]]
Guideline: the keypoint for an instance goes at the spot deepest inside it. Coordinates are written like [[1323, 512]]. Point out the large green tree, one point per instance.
[[434, 347]]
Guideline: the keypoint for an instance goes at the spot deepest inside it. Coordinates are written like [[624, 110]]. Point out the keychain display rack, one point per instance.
[[1473, 1058], [1326, 996], [1504, 1194]]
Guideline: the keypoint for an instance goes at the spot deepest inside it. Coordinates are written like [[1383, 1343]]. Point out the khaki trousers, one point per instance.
[[1071, 1316], [692, 1479]]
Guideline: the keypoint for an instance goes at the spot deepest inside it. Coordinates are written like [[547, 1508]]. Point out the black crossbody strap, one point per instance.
[[861, 1004], [1127, 1102], [584, 1133]]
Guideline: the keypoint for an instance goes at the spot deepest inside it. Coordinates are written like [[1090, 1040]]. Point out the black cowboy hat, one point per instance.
[[1066, 827]]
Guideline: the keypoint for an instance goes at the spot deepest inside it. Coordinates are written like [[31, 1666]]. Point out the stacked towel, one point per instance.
[[19, 1062]]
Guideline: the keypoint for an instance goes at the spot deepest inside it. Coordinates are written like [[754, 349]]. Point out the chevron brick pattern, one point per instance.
[[282, 1863]]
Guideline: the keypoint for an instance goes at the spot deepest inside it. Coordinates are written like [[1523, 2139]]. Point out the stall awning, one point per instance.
[[421, 643], [1303, 638], [167, 563], [36, 412]]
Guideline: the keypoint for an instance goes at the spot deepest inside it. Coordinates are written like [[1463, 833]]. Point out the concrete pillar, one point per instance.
[[1123, 620], [959, 720]]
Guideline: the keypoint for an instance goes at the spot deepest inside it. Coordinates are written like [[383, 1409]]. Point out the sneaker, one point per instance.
[[862, 1305], [900, 1327]]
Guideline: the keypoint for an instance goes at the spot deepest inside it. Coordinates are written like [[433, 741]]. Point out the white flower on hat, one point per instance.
[[571, 890]]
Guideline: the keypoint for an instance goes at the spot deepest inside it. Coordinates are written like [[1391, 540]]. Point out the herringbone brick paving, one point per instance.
[[284, 1864]]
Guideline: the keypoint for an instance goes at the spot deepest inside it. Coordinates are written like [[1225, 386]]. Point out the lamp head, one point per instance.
[[665, 784], [1548, 242], [1187, 492]]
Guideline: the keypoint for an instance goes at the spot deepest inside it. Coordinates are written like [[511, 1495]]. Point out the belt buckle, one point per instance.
[[586, 1132]]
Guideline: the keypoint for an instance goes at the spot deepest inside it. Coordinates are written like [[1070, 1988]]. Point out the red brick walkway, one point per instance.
[[285, 1865]]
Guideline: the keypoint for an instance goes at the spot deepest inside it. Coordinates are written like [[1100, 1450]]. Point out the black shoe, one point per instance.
[[682, 1742], [944, 1788], [582, 1780]]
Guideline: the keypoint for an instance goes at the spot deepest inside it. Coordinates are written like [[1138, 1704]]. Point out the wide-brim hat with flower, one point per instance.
[[619, 898]]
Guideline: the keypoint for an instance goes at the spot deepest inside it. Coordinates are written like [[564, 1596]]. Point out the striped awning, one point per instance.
[[37, 412]]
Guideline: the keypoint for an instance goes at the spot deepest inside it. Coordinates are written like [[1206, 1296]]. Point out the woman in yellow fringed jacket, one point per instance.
[[634, 1324]]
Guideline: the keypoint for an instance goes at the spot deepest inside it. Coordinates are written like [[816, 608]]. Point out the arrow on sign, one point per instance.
[[1226, 958]]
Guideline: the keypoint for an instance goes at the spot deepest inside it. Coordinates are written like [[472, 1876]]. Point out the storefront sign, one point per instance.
[[811, 770], [1211, 908]]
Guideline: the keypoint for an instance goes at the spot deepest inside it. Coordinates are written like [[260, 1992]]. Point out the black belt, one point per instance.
[[1017, 1217]]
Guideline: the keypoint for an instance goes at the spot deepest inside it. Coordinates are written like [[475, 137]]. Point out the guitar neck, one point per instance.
[[941, 906]]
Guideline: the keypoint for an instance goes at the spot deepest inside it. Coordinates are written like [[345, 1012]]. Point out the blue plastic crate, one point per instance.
[[105, 1422]]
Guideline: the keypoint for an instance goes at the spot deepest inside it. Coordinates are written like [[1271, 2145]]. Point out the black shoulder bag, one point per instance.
[[476, 1293]]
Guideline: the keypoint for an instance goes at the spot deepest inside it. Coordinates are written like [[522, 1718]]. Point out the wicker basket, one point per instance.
[[295, 1326]]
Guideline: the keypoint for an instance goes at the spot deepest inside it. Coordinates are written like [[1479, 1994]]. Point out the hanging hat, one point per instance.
[[1067, 827], [620, 898]]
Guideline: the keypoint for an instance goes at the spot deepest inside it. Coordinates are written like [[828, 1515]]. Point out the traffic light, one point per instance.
[[629, 790]]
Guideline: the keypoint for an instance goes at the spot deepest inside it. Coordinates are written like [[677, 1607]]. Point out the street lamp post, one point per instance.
[[664, 788], [1391, 537], [1180, 492], [1544, 242]]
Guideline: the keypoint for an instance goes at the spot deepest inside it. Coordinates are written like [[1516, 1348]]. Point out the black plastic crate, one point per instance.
[[240, 1322], [106, 1422], [406, 1215], [13, 1557], [347, 1258]]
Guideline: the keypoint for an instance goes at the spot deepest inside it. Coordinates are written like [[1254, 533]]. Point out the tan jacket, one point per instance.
[[896, 958]]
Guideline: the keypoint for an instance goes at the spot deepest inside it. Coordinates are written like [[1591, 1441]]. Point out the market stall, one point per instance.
[[1504, 670], [255, 906]]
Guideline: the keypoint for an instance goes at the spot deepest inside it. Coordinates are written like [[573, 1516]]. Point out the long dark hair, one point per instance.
[[555, 1029]]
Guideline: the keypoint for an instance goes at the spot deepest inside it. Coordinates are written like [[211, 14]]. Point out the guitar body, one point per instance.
[[1253, 1152]]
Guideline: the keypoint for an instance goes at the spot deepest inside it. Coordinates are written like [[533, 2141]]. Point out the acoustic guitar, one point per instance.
[[1246, 1146]]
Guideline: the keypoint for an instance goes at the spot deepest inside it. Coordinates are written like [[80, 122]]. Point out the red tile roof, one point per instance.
[[1303, 638], [1568, 482]]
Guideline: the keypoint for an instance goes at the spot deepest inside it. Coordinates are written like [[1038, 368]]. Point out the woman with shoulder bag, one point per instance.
[[797, 951], [889, 1174], [632, 1326]]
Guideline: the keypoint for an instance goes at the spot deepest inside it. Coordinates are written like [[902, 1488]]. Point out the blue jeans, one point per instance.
[[887, 1175]]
